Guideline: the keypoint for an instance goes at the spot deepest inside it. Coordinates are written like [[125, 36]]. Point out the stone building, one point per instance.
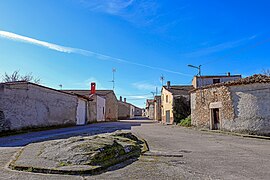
[[125, 109], [111, 110], [168, 96], [241, 105], [97, 108], [150, 109], [28, 105], [157, 108], [138, 111]]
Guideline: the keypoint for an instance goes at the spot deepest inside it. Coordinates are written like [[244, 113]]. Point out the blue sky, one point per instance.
[[75, 42]]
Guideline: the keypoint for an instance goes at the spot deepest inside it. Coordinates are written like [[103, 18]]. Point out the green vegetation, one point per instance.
[[181, 109], [185, 122]]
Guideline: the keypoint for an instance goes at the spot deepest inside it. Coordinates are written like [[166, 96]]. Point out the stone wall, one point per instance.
[[242, 108], [157, 104], [111, 112], [200, 106], [123, 110], [27, 106]]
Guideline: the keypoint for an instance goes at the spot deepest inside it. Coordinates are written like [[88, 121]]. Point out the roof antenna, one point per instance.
[[162, 78], [113, 80]]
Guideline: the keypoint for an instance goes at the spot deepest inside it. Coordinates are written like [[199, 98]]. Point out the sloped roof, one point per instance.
[[87, 93], [45, 87], [256, 78], [179, 90]]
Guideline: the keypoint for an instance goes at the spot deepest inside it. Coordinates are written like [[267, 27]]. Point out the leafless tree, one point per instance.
[[266, 72], [15, 76]]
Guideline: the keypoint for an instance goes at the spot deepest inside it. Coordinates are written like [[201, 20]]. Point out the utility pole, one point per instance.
[[113, 80]]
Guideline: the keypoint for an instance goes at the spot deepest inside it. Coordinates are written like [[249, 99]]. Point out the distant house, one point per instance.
[[200, 81], [97, 108], [241, 105], [150, 109], [138, 111], [169, 94], [111, 104], [28, 105], [157, 108], [125, 109]]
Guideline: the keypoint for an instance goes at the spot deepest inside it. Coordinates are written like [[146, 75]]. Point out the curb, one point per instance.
[[237, 134]]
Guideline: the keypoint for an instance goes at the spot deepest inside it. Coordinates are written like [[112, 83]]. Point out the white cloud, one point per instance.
[[139, 12], [108, 6], [218, 47], [144, 86], [64, 49]]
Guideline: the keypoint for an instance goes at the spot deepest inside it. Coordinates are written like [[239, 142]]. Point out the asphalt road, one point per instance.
[[205, 155]]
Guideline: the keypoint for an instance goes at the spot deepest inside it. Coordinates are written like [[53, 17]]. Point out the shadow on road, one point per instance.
[[63, 133]]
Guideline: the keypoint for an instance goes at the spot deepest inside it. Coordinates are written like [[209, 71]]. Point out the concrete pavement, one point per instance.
[[206, 155]]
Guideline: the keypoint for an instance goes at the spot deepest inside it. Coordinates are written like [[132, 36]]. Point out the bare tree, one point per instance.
[[266, 72], [15, 76]]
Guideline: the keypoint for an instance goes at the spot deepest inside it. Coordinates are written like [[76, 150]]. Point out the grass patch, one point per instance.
[[185, 122]]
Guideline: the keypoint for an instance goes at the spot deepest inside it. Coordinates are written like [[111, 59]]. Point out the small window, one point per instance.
[[215, 81], [103, 110], [167, 98]]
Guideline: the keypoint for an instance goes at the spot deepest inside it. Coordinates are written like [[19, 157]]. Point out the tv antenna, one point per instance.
[[113, 80], [162, 78]]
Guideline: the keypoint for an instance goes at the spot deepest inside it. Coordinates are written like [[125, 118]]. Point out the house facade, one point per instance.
[[200, 81], [150, 109], [28, 105], [125, 110], [111, 111], [157, 108], [111, 102], [240, 106], [97, 107], [168, 95], [138, 111]]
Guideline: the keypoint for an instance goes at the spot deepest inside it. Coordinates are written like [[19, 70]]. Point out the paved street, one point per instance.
[[205, 155]]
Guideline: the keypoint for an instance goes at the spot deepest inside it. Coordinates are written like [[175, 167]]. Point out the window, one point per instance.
[[167, 98], [215, 81], [103, 110]]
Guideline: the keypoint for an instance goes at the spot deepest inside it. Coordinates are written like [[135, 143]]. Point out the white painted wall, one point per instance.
[[204, 81], [81, 112], [251, 108], [30, 106], [101, 108]]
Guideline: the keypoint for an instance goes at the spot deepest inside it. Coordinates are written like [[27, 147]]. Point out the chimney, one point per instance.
[[168, 84], [121, 98], [125, 99], [229, 74], [93, 88]]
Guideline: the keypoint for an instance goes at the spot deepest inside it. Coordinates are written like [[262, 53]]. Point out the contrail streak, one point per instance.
[[64, 49]]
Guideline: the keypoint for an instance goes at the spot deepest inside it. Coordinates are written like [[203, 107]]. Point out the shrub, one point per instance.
[[185, 122]]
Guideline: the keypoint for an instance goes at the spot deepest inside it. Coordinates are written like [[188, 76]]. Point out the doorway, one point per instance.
[[168, 117], [81, 112], [215, 119]]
